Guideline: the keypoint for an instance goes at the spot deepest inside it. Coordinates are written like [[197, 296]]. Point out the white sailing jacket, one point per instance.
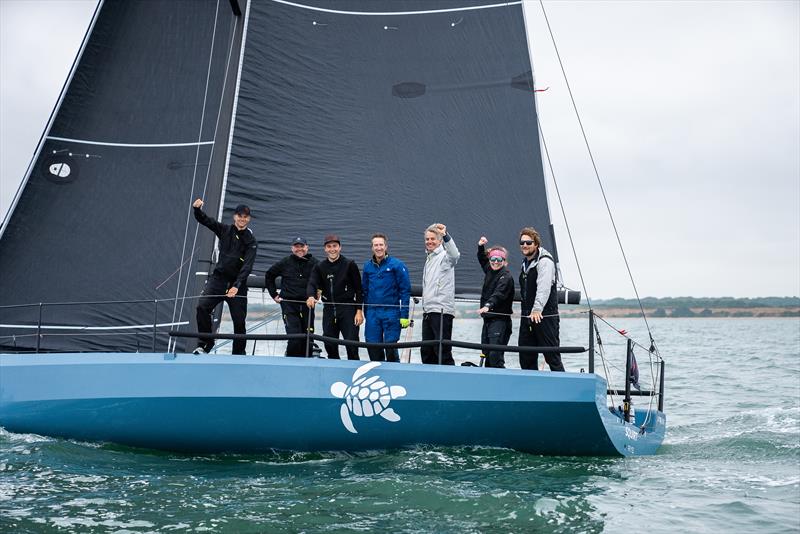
[[439, 278]]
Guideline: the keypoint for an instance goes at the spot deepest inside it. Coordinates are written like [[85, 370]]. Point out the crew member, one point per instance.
[[294, 271], [228, 281], [539, 324], [497, 298], [338, 280], [438, 293], [386, 288]]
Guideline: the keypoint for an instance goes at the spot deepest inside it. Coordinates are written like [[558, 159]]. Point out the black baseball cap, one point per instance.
[[242, 209], [299, 241]]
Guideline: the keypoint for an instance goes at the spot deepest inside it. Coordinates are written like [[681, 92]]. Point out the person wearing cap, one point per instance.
[[228, 281], [338, 280], [387, 290], [497, 298], [438, 293], [294, 271], [539, 324]]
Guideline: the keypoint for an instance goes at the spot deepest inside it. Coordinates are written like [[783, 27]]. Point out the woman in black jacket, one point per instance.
[[497, 297]]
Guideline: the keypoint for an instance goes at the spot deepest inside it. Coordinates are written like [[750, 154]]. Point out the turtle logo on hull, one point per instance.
[[366, 396]]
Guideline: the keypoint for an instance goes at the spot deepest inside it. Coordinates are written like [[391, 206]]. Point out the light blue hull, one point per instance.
[[250, 404]]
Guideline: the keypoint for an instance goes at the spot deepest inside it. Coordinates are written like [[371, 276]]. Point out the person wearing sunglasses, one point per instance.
[[539, 324], [497, 297]]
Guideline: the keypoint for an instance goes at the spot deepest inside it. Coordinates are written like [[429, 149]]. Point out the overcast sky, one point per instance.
[[692, 110]]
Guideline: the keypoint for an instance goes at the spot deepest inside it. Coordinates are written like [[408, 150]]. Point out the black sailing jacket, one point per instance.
[[339, 281], [294, 273], [497, 292], [237, 250]]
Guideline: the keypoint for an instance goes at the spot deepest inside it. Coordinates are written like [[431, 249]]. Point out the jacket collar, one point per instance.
[[435, 251]]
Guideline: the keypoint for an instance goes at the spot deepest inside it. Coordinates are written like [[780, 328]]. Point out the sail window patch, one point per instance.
[[60, 169]]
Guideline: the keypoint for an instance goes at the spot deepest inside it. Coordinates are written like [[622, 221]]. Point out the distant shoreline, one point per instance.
[[700, 307], [684, 313]]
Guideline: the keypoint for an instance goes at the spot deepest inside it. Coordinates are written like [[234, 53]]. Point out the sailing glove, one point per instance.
[[404, 323]]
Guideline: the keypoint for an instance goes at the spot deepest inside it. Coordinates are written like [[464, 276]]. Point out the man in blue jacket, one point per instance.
[[387, 289]]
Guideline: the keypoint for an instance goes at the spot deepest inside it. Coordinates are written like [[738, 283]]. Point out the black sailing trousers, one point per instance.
[[213, 294], [435, 325], [296, 317], [340, 320], [496, 331], [544, 334]]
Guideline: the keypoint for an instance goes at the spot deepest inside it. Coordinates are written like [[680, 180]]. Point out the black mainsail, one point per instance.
[[351, 117], [389, 115]]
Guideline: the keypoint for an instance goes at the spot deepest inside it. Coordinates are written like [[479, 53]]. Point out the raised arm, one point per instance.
[[449, 245], [482, 259], [212, 224]]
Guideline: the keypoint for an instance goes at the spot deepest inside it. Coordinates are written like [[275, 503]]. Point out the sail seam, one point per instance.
[[128, 145], [393, 13]]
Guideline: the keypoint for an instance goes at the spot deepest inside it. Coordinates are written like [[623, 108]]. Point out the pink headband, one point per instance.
[[497, 253]]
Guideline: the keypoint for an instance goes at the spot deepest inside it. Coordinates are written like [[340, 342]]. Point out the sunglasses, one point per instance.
[[496, 260], [526, 242]]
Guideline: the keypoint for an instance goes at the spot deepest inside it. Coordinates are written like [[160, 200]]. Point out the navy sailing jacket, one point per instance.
[[386, 282], [237, 250]]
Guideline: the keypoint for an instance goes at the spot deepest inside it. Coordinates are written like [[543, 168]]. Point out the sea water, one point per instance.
[[730, 462]]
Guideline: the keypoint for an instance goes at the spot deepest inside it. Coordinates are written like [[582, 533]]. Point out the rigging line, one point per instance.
[[211, 155], [596, 172], [563, 212], [636, 343], [196, 159], [175, 272]]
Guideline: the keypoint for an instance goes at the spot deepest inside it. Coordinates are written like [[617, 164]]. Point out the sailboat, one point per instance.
[[348, 117]]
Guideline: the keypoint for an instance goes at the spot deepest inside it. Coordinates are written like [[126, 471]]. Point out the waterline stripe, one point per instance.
[[54, 327], [390, 13], [130, 145]]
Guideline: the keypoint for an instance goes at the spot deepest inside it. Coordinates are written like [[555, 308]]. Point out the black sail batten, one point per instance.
[[103, 214], [324, 141]]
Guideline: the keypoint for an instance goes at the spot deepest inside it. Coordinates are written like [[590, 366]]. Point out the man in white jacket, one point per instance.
[[438, 293]]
